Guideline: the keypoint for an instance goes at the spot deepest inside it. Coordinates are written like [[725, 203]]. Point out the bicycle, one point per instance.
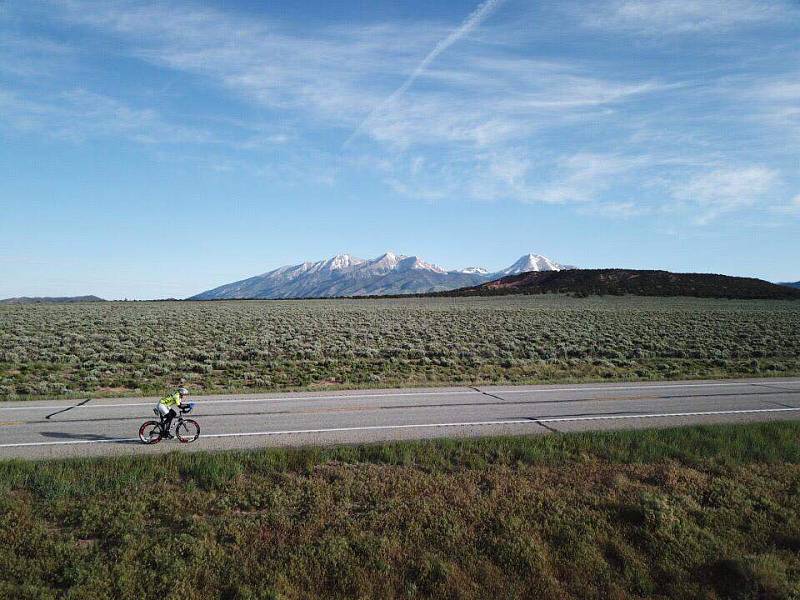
[[186, 430]]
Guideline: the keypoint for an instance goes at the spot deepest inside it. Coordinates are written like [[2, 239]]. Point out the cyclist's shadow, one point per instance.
[[87, 437]]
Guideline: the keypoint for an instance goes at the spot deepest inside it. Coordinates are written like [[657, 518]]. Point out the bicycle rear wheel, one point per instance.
[[150, 432], [187, 430]]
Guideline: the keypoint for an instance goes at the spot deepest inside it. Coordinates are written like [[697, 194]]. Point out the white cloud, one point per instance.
[[496, 111], [725, 190], [582, 177], [776, 102], [329, 72], [790, 208], [785, 90], [77, 114], [615, 210], [470, 23], [659, 17], [28, 57], [582, 180]]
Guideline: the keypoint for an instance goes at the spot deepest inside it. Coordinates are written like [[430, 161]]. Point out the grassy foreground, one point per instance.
[[703, 512]]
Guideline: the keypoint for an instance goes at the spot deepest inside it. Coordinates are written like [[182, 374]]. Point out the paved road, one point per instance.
[[103, 426]]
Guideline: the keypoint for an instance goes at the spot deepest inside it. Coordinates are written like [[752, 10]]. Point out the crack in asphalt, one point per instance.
[[548, 427], [778, 404], [480, 391], [58, 412], [774, 387], [504, 400]]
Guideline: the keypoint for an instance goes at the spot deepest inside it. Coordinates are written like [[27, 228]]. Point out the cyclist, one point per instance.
[[166, 408]]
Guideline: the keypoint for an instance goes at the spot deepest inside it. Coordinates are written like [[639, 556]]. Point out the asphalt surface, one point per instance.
[[55, 429]]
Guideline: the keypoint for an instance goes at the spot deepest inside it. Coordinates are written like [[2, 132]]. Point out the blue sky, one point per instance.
[[160, 149]]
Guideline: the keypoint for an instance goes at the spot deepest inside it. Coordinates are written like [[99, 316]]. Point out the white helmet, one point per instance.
[[183, 391]]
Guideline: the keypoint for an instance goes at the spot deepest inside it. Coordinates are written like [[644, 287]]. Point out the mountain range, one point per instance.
[[388, 274]]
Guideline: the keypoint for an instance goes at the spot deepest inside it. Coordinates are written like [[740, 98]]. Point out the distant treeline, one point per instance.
[[618, 282], [51, 300]]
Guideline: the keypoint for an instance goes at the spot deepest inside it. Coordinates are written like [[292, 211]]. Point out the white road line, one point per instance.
[[428, 393], [430, 425], [246, 400], [640, 387], [69, 442], [370, 428], [660, 415]]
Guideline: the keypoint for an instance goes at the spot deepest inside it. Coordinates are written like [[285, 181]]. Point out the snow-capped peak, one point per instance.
[[413, 262], [388, 259], [474, 271], [342, 261], [531, 262]]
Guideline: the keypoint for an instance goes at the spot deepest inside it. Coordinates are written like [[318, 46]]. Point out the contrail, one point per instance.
[[471, 22]]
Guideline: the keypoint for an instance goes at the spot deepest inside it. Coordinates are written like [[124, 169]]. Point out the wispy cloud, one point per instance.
[[581, 177], [29, 57], [591, 182], [471, 22], [776, 102], [329, 72], [662, 17], [615, 210], [725, 190], [790, 208], [77, 114]]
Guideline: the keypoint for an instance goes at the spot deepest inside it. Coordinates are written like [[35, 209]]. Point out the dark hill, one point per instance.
[[794, 284], [51, 300], [586, 282]]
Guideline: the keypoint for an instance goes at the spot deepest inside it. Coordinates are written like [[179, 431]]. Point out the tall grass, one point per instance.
[[730, 445]]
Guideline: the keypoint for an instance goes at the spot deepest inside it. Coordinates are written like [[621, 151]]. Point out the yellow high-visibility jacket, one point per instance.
[[173, 400]]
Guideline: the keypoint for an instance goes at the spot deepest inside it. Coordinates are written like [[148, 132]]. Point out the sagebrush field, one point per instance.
[[146, 347]]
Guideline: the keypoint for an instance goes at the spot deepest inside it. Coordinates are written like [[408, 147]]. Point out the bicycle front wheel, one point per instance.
[[150, 432], [187, 431]]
